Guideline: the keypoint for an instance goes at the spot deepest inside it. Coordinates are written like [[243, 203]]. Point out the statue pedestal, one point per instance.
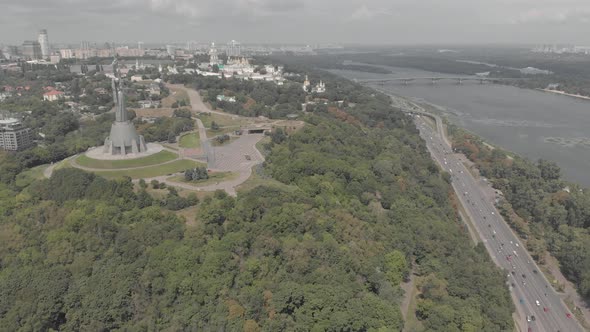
[[124, 140], [100, 154]]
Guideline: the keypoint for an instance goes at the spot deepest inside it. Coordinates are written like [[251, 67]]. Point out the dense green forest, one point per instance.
[[552, 214], [424, 62], [253, 98], [356, 208]]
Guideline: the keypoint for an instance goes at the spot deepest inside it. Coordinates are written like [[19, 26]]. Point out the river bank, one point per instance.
[[548, 261], [563, 93], [532, 123]]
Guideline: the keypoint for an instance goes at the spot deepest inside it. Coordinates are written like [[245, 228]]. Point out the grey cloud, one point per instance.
[[278, 6], [561, 15], [225, 8], [363, 13], [309, 21]]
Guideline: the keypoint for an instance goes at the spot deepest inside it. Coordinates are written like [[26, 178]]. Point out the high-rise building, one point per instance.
[[233, 49], [213, 59], [10, 51], [14, 136], [67, 53], [31, 49], [55, 58], [171, 50], [44, 44]]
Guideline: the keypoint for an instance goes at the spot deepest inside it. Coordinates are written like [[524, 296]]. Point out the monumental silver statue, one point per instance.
[[123, 139]]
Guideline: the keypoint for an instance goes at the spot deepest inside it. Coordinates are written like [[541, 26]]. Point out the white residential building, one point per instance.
[[53, 95], [14, 136]]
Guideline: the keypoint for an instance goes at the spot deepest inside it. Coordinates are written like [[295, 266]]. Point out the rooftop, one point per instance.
[[9, 120], [53, 92]]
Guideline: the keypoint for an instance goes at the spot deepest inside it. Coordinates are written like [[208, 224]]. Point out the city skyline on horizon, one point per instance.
[[225, 42], [372, 22]]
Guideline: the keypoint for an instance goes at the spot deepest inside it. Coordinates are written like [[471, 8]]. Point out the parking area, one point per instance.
[[237, 156]]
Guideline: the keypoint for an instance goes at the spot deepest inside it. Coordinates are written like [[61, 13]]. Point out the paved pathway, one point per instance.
[[197, 102], [49, 170], [228, 158], [91, 169], [202, 130], [232, 157]]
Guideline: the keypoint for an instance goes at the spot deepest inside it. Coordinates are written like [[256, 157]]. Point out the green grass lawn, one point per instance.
[[150, 172], [170, 146], [214, 142], [62, 164], [212, 133], [222, 120], [579, 315], [178, 96], [256, 180], [260, 145], [190, 141], [157, 158], [213, 178], [29, 176]]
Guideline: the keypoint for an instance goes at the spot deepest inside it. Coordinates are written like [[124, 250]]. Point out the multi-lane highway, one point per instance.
[[540, 307]]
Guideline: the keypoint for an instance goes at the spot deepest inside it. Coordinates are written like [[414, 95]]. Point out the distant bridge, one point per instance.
[[435, 79]]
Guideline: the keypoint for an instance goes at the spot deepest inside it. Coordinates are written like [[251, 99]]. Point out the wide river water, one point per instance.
[[531, 123]]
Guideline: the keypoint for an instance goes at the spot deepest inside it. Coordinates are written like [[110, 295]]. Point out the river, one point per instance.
[[531, 123]]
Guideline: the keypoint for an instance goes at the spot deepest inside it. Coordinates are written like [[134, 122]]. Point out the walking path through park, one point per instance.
[[202, 130], [227, 158], [197, 102], [239, 156], [49, 170]]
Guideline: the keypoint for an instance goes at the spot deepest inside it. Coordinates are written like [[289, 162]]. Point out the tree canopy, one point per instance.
[[355, 207]]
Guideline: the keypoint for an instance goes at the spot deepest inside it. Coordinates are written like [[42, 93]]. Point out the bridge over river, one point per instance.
[[435, 79]]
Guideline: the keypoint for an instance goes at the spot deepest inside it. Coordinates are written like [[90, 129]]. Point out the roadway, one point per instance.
[[526, 282]]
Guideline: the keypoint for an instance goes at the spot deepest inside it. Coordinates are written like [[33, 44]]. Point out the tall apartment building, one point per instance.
[[233, 49], [171, 50], [44, 44], [14, 136], [67, 53], [31, 49], [10, 51]]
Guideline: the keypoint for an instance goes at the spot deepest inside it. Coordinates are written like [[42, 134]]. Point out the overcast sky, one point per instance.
[[299, 21]]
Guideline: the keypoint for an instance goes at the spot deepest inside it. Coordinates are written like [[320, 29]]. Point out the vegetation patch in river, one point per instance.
[[569, 142]]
